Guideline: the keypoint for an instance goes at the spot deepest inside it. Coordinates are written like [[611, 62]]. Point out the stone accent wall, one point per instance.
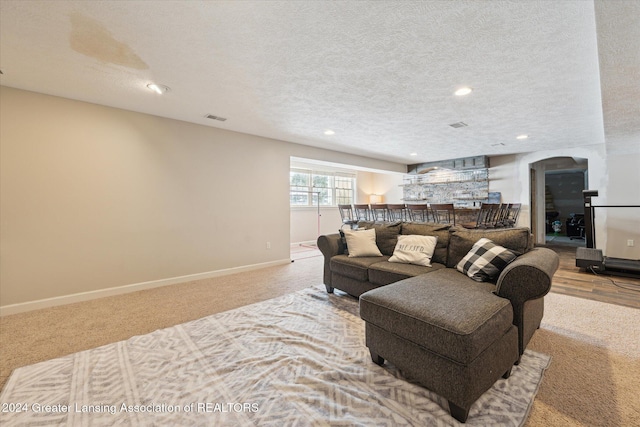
[[463, 188]]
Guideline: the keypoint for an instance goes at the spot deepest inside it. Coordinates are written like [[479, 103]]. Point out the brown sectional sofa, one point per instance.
[[524, 282], [452, 334]]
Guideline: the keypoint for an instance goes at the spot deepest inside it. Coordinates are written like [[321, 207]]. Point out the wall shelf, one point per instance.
[[477, 162]]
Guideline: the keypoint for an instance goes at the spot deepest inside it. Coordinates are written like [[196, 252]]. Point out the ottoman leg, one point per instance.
[[376, 359], [507, 374], [329, 289], [458, 412]]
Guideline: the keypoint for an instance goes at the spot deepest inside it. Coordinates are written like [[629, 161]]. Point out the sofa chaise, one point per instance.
[[450, 332]]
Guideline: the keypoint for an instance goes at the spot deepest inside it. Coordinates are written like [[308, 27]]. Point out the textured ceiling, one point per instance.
[[619, 50], [381, 74]]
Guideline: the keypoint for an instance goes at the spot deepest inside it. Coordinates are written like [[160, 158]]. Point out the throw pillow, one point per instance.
[[485, 260], [414, 249], [462, 240], [441, 231], [362, 243], [386, 235], [343, 242]]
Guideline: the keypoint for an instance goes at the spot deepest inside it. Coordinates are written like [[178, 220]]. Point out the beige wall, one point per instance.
[[389, 186], [307, 225], [94, 198], [623, 188], [385, 184]]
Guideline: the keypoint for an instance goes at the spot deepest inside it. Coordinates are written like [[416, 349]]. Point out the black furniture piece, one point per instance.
[[575, 226], [550, 217]]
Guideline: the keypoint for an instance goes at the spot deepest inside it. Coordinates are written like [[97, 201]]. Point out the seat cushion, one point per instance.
[[444, 312], [355, 268], [384, 273]]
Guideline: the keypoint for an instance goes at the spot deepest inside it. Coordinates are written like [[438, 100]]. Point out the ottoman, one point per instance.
[[451, 335]]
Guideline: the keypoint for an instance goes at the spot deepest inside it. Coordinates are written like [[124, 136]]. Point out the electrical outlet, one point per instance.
[[268, 245], [630, 242]]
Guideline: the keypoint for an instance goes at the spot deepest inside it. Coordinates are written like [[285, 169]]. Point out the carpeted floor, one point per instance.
[[592, 380], [298, 359], [304, 251]]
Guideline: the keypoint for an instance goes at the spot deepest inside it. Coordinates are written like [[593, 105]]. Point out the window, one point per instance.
[[310, 188], [299, 193], [344, 189]]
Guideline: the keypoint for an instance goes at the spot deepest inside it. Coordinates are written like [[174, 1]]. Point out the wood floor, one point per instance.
[[569, 280]]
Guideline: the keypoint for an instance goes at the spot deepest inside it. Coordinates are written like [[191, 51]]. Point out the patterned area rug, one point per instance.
[[293, 360]]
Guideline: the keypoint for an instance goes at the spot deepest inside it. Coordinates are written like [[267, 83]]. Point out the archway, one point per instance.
[[556, 186]]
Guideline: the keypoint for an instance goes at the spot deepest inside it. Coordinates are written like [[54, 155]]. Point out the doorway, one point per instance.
[[557, 211]]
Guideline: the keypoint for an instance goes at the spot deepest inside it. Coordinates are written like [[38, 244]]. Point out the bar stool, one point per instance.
[[443, 213], [418, 213], [362, 212], [346, 214], [379, 212], [512, 217], [487, 216], [396, 212]]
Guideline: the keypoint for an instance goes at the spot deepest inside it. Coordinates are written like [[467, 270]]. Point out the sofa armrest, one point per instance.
[[529, 276], [524, 282], [330, 245]]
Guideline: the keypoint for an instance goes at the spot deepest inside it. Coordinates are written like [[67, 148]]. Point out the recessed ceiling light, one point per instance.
[[329, 132], [159, 89], [212, 117], [413, 154], [463, 91], [522, 136], [458, 125]]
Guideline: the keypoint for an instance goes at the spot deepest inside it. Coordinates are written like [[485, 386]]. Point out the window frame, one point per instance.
[[334, 193]]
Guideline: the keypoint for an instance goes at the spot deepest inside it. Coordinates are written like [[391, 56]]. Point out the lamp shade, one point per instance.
[[375, 199]]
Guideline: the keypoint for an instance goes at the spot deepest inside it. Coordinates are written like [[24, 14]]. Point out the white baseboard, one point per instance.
[[305, 243], [101, 293]]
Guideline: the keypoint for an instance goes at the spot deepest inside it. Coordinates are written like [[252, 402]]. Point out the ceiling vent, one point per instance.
[[218, 118], [458, 125]]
